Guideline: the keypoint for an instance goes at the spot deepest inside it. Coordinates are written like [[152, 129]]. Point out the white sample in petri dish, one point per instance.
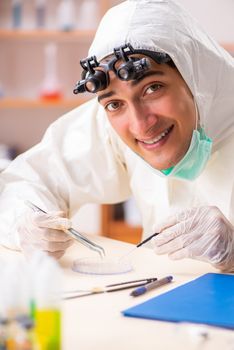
[[98, 266]]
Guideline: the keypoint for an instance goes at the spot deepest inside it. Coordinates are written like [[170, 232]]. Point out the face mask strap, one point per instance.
[[196, 116]]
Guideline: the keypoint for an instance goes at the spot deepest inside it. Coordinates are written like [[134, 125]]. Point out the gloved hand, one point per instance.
[[201, 233], [45, 232]]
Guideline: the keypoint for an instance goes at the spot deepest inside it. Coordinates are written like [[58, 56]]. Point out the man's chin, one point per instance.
[[155, 165]]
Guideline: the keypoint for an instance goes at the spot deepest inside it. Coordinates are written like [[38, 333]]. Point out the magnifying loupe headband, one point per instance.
[[95, 75]]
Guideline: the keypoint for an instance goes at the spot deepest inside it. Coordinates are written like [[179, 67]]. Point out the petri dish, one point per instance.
[[98, 266]]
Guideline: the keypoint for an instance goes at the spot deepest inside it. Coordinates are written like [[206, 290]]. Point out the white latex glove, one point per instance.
[[200, 233], [45, 232]]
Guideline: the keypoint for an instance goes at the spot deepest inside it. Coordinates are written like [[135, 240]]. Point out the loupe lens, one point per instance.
[[96, 82], [123, 74], [90, 85], [126, 71], [133, 69]]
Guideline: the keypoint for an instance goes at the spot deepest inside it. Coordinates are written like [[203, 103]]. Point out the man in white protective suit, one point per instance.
[[160, 128]]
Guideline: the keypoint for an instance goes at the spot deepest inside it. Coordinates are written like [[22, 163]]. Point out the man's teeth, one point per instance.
[[158, 138]]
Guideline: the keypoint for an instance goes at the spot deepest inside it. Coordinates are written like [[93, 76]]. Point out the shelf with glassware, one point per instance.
[[12, 37], [68, 26]]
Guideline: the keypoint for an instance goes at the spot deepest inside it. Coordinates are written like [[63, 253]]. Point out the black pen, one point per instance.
[[152, 285], [147, 239]]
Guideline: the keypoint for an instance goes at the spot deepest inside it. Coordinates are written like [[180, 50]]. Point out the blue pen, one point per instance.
[[141, 290]]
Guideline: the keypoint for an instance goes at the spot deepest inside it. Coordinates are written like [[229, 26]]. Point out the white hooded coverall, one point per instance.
[[82, 160]]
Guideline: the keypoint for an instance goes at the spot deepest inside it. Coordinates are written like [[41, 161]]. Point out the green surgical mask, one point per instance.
[[194, 161]]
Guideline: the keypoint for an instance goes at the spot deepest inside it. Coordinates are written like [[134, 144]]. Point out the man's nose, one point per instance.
[[141, 119]]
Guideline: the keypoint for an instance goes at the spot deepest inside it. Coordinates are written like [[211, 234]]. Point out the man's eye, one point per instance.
[[112, 106], [153, 88]]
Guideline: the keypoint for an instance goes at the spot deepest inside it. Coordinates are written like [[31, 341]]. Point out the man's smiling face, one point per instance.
[[154, 115]]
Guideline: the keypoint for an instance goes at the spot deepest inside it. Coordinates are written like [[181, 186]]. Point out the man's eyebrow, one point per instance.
[[108, 94], [147, 74], [133, 83]]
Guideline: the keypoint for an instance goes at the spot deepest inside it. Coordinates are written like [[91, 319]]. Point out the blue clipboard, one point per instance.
[[208, 299]]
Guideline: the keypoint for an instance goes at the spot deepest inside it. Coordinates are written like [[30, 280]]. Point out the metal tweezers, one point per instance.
[[78, 293], [73, 233]]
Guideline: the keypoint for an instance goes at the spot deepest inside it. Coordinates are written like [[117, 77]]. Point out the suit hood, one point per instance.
[[164, 26]]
